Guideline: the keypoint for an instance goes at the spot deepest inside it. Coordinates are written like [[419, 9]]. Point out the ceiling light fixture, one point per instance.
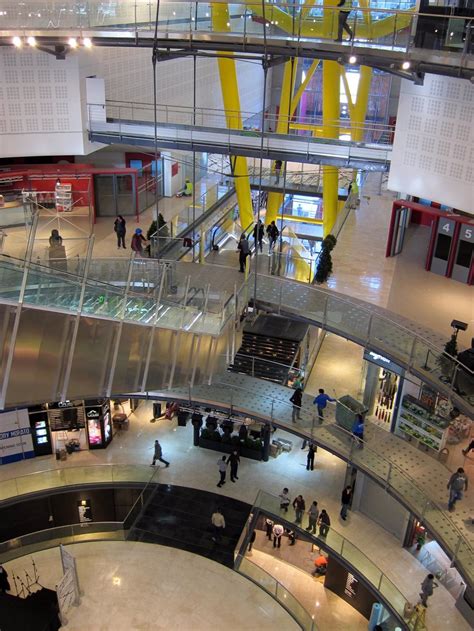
[[31, 41], [87, 42], [72, 41], [406, 65], [352, 59], [17, 41]]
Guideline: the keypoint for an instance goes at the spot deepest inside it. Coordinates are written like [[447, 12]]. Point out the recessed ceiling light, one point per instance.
[[352, 59], [87, 42], [31, 41], [406, 65], [72, 41], [17, 41]]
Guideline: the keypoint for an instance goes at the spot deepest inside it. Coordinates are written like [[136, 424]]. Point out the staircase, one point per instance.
[[181, 518], [270, 345]]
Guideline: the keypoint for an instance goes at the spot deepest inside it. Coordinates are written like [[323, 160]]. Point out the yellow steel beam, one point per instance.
[[347, 90], [360, 106], [304, 84], [327, 26], [305, 9], [231, 99], [289, 76], [367, 15], [331, 89]]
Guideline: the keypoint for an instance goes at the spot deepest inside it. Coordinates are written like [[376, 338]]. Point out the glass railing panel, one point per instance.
[[51, 288], [361, 563], [87, 475], [347, 317], [11, 277], [259, 576], [392, 594], [294, 606], [390, 336], [100, 300], [39, 481], [8, 488]]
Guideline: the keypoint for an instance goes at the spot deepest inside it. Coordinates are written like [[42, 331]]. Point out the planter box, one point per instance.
[[226, 448]]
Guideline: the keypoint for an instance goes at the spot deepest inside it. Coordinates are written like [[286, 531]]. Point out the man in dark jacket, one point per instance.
[[273, 233], [299, 506], [233, 460], [457, 485], [158, 455], [244, 251], [346, 498], [296, 399], [258, 233], [310, 457], [324, 523]]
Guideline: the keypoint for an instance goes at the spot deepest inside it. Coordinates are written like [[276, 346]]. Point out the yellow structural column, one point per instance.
[[331, 89], [289, 76], [231, 99], [359, 109]]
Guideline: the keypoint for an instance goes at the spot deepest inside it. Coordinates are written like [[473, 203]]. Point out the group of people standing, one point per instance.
[[258, 233]]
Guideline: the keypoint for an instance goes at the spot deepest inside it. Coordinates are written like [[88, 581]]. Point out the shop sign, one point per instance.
[[16, 442], [383, 362]]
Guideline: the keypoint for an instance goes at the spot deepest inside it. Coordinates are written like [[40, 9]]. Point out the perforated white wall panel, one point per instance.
[[433, 153], [40, 111]]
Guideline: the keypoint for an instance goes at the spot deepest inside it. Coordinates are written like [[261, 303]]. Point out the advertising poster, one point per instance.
[[15, 436]]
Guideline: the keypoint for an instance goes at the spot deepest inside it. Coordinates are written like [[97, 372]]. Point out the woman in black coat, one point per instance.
[[296, 398], [120, 228]]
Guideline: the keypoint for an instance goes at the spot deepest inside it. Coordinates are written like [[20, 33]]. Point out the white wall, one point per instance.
[[40, 104], [128, 77], [433, 153], [372, 500]]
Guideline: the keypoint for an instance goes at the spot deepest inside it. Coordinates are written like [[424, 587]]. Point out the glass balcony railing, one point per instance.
[[334, 543], [385, 25]]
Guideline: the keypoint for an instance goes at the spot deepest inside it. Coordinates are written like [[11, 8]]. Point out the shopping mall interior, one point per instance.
[[236, 315]]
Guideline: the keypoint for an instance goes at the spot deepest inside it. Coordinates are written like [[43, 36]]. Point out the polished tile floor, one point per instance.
[[129, 586], [196, 468]]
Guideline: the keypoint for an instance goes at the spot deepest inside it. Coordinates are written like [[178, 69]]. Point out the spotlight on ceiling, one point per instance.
[[352, 59], [72, 41], [87, 42], [31, 41], [17, 41], [406, 65]]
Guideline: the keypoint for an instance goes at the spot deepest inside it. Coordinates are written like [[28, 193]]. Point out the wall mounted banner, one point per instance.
[[16, 442]]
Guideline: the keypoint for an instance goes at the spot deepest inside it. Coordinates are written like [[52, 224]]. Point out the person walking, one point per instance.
[[427, 588], [358, 430], [310, 457], [278, 165], [137, 242], [324, 523], [158, 455], [346, 499], [233, 460], [321, 401], [278, 530], [273, 233], [218, 524], [120, 228], [456, 486], [344, 11], [299, 506], [296, 398], [222, 466], [253, 536], [258, 233], [284, 500], [313, 514], [244, 251]]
